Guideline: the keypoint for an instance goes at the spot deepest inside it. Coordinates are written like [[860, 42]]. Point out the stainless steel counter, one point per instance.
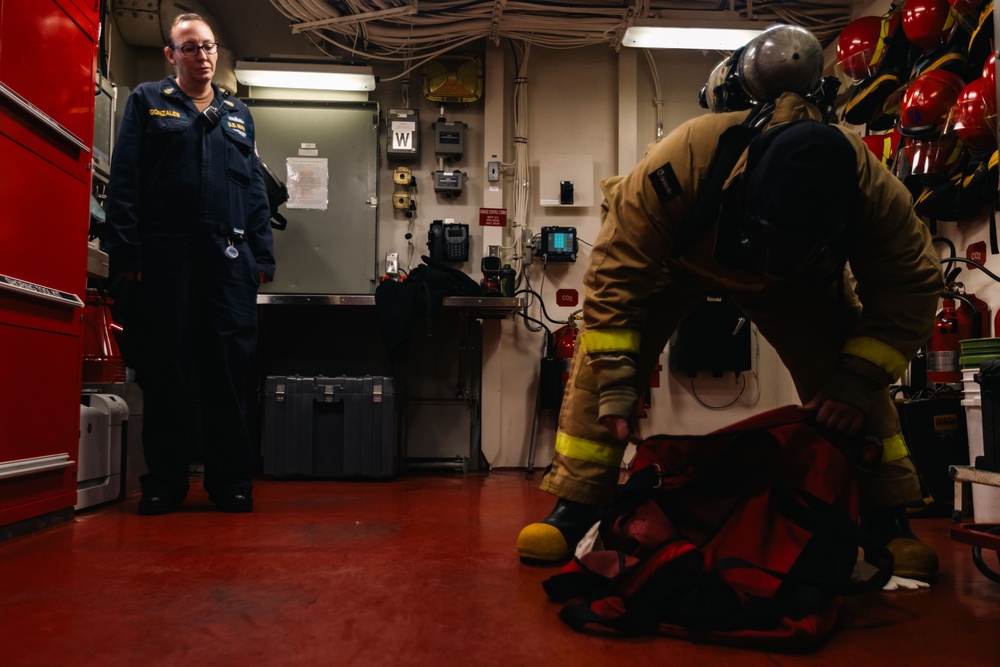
[[482, 307]]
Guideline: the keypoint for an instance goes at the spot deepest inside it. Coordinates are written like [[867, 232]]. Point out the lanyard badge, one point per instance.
[[237, 236]]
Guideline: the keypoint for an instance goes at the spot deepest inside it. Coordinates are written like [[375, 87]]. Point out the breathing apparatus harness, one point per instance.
[[743, 241]]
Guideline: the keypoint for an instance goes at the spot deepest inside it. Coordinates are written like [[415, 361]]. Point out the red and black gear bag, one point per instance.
[[745, 536]]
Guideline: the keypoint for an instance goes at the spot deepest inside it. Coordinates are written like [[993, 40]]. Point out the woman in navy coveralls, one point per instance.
[[189, 226]]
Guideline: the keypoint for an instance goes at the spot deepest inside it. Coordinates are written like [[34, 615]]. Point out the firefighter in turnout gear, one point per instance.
[[791, 201]]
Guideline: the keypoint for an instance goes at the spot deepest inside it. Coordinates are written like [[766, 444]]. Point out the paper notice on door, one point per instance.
[[308, 182]]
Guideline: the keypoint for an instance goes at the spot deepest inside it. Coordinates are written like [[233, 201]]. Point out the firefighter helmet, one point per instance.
[[859, 47], [722, 92], [990, 71], [973, 118], [931, 156], [782, 59], [927, 103], [927, 23]]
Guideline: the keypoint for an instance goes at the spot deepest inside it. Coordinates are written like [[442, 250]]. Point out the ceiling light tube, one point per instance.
[[686, 33], [310, 76]]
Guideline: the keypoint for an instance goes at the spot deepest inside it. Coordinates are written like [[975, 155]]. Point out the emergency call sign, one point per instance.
[[492, 217]]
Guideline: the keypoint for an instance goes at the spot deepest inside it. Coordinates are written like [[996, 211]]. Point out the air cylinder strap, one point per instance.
[[732, 143]]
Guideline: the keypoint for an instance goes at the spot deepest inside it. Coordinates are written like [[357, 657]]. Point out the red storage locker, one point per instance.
[[47, 71]]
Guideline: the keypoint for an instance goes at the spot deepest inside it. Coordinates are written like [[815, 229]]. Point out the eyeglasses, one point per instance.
[[191, 50]]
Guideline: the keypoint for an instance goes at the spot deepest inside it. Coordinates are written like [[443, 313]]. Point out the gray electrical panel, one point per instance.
[[402, 134], [449, 139], [327, 155], [105, 101]]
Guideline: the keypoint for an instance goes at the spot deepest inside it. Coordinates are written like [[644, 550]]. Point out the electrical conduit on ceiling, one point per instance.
[[413, 31]]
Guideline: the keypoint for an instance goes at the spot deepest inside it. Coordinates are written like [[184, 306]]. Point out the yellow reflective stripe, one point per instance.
[[884, 356], [949, 21], [886, 150], [880, 46], [609, 340], [588, 450], [894, 448]]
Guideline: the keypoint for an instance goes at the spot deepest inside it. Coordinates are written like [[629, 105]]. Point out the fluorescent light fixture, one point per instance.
[[311, 76], [692, 30]]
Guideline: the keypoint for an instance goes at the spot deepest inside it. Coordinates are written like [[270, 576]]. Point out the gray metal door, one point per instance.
[[330, 244]]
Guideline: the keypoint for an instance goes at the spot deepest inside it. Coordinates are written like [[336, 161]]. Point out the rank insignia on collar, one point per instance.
[[229, 103], [167, 91]]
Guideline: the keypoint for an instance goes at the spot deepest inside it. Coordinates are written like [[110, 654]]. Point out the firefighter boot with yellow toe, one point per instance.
[[912, 558], [554, 538]]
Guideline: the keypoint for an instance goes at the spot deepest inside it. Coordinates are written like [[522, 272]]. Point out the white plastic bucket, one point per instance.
[[970, 387], [985, 499]]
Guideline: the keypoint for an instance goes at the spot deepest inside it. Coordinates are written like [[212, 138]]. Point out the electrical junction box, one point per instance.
[[402, 176], [448, 182], [714, 337], [566, 179], [449, 139], [403, 134], [401, 200], [105, 101]]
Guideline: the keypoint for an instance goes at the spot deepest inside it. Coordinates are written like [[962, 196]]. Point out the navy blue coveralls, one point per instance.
[[182, 191]]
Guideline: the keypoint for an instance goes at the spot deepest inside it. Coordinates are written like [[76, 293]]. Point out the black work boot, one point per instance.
[[913, 559], [555, 537]]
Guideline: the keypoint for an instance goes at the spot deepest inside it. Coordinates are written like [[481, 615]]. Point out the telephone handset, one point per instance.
[[448, 242]]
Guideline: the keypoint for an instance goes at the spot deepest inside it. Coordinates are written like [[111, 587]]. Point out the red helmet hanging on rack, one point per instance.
[[923, 114], [990, 71], [927, 103], [974, 117], [859, 47], [927, 23]]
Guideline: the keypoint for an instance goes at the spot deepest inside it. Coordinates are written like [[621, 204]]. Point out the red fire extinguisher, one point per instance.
[[980, 315], [102, 359], [951, 326], [564, 344]]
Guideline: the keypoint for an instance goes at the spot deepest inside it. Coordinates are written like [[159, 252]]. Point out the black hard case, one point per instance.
[[332, 427]]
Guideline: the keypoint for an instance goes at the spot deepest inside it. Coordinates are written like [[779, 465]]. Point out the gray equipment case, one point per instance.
[[331, 427]]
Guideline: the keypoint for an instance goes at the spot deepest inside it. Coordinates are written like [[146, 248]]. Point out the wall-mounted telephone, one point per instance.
[[448, 242]]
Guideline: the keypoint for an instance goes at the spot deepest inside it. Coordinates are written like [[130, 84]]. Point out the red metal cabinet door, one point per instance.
[[47, 57], [47, 71]]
